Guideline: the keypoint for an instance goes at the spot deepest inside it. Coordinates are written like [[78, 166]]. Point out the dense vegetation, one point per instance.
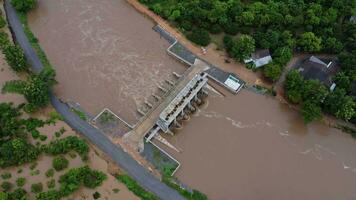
[[23, 5], [15, 148], [134, 187], [35, 89], [315, 97], [280, 26]]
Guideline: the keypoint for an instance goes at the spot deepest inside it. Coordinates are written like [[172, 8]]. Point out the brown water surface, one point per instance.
[[253, 147], [105, 53]]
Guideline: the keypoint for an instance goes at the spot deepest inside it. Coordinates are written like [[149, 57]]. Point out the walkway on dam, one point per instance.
[[121, 158], [183, 54], [135, 136]]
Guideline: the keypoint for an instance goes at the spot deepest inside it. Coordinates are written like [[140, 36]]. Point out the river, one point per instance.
[[246, 146], [105, 53], [250, 146]]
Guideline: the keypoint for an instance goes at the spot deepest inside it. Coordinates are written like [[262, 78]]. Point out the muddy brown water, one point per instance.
[[105, 53], [252, 147]]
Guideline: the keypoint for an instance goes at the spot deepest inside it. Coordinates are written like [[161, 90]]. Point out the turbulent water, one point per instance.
[[240, 147], [253, 147], [105, 53]]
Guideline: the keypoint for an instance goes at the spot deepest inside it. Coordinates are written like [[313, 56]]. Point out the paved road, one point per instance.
[[136, 171]]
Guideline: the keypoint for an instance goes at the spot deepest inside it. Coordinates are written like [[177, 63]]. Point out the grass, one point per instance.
[[134, 187], [106, 117], [80, 114], [34, 41]]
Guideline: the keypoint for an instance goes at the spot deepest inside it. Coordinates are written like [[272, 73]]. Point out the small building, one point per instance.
[[314, 68], [353, 19], [260, 58]]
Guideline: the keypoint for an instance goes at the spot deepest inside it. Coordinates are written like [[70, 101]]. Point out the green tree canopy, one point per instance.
[[243, 47], [309, 42], [272, 71], [310, 111], [23, 5]]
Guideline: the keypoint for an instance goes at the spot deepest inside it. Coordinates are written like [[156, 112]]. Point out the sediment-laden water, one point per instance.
[[252, 147], [105, 53]]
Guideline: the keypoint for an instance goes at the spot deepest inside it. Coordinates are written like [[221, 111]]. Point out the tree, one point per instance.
[[23, 5], [309, 42], [310, 111], [332, 45], [293, 86], [339, 104], [282, 55], [17, 152], [175, 15], [35, 89], [9, 123], [59, 163], [199, 36], [314, 91], [272, 71], [342, 81], [15, 58], [243, 47]]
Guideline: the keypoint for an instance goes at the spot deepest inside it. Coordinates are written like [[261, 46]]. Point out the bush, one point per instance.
[[65, 145], [35, 172], [36, 188], [6, 175], [4, 40], [2, 22], [43, 138], [51, 183], [21, 182], [96, 195], [199, 36], [15, 58], [23, 5], [59, 163], [6, 186], [19, 194], [136, 188], [74, 178], [49, 195], [50, 173]]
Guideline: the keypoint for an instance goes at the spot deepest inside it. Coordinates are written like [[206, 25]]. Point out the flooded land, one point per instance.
[[250, 146], [110, 189], [105, 53]]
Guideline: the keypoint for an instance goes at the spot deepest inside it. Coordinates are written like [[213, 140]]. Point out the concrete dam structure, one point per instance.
[[175, 105]]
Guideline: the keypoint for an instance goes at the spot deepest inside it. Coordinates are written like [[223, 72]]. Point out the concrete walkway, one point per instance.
[[136, 171]]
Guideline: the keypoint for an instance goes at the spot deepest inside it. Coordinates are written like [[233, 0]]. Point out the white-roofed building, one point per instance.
[[260, 58]]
